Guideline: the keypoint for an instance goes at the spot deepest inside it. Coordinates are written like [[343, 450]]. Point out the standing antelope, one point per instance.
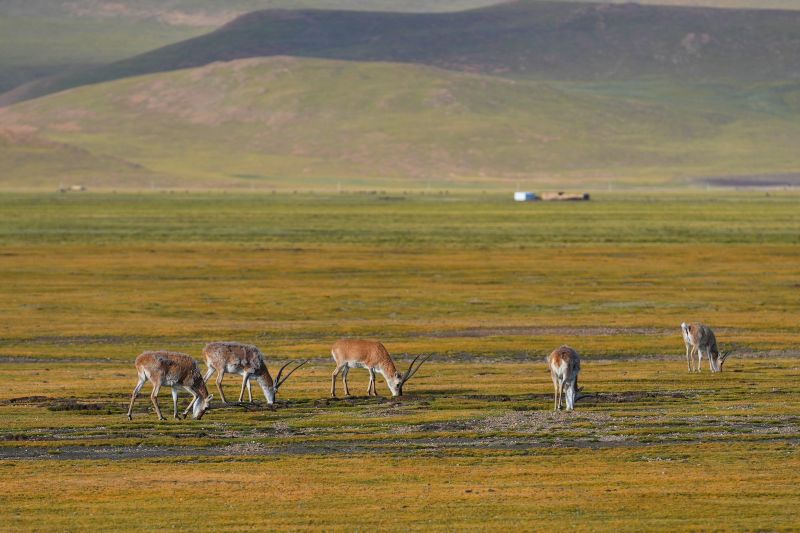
[[565, 365], [698, 337], [372, 355], [174, 370], [247, 361]]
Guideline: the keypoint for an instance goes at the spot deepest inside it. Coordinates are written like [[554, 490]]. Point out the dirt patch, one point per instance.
[[350, 401], [527, 357], [70, 404], [791, 179], [36, 401], [81, 405], [105, 340], [25, 359], [531, 422], [390, 446], [394, 446], [522, 430], [576, 331], [100, 452], [633, 396]]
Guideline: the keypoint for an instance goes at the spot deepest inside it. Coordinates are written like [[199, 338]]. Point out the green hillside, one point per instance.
[[285, 123], [724, 4], [534, 40], [37, 47], [42, 38]]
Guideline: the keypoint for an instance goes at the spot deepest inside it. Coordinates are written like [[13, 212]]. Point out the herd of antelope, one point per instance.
[[178, 370]]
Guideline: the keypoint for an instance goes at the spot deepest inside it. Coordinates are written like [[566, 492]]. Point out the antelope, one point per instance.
[[698, 337], [565, 365], [372, 355], [174, 370], [247, 361]]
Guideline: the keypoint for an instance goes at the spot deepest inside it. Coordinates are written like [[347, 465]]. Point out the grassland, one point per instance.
[[540, 94], [34, 47], [288, 123], [644, 453], [489, 287], [722, 4], [518, 40], [45, 38]]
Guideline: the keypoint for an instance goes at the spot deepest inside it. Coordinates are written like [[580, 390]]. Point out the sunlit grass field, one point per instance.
[[486, 285]]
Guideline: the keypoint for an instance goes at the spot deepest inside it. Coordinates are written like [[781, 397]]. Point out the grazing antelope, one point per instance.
[[372, 355], [247, 361], [174, 370], [565, 365], [697, 338]]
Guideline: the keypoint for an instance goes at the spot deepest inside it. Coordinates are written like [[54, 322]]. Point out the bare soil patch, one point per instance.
[[791, 179], [577, 331]]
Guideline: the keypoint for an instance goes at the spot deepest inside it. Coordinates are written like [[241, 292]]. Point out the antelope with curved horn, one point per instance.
[[565, 365], [247, 361], [176, 370], [697, 338], [372, 355]]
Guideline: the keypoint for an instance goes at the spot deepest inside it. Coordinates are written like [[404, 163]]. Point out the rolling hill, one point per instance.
[[43, 38], [288, 122], [527, 39], [550, 93], [722, 4]]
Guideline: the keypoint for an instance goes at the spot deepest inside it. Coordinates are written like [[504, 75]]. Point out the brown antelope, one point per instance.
[[174, 370], [372, 355], [698, 337], [247, 361], [565, 365]]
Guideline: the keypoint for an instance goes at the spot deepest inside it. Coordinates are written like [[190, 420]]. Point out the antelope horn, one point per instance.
[[279, 381], [411, 370], [721, 360], [278, 377]]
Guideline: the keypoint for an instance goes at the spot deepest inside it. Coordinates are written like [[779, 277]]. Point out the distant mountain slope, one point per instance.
[[538, 40], [725, 4], [34, 47], [285, 122], [40, 38]]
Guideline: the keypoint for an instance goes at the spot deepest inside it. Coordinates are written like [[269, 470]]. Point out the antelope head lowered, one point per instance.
[[177, 371], [247, 361], [699, 338], [372, 355]]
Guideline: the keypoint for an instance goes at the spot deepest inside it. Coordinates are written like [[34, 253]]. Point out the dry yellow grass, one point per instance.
[[91, 282], [70, 301], [652, 447], [623, 490]]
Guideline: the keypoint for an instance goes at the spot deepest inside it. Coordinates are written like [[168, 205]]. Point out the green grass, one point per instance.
[[272, 123], [35, 46], [523, 40], [488, 286], [41, 38], [109, 275], [462, 222], [725, 4], [453, 454], [46, 38]]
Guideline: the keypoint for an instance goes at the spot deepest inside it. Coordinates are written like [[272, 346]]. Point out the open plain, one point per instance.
[[487, 286]]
